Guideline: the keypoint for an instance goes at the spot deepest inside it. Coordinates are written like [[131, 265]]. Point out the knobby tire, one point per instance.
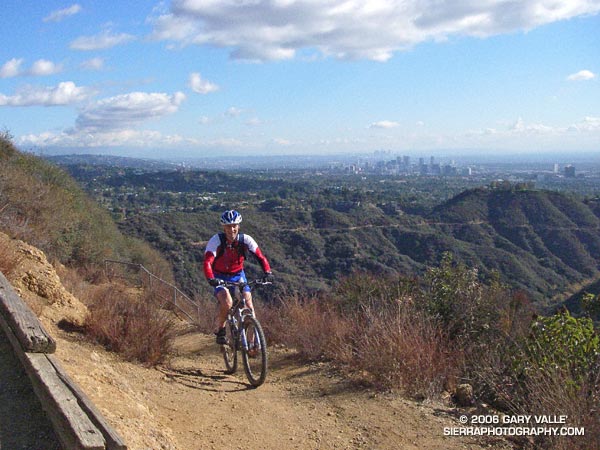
[[255, 367], [229, 351]]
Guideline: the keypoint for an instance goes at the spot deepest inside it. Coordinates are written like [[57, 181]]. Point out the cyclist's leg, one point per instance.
[[248, 298], [224, 303]]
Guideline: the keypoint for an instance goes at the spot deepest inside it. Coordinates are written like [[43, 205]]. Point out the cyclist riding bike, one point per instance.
[[224, 261]]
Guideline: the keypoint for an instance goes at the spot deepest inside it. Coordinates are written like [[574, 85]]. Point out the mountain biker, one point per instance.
[[224, 261]]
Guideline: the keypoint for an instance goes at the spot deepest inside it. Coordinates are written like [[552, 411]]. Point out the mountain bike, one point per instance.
[[244, 333]]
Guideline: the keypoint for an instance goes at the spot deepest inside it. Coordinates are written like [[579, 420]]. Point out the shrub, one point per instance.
[[399, 346], [553, 392], [131, 325], [370, 327], [590, 303], [42, 205], [562, 344], [313, 327], [455, 296]]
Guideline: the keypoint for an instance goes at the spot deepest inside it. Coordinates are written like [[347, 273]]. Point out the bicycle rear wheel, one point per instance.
[[229, 350], [255, 357]]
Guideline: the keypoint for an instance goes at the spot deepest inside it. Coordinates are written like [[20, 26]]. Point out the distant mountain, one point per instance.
[[545, 243], [541, 241]]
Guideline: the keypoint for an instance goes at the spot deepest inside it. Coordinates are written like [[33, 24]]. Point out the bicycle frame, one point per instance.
[[240, 321], [237, 314]]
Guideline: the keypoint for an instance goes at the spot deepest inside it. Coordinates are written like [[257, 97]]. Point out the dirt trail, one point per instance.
[[191, 403]]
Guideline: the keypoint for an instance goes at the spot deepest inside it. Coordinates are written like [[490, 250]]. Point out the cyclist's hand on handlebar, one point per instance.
[[267, 277], [214, 282]]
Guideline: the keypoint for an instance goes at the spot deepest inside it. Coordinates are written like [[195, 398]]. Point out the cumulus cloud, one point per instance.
[[234, 112], [127, 110], [44, 67], [254, 122], [112, 122], [197, 84], [58, 15], [386, 124], [113, 138], [261, 30], [582, 75], [65, 93], [11, 68], [92, 64], [41, 67], [588, 128], [587, 125], [282, 142], [100, 41]]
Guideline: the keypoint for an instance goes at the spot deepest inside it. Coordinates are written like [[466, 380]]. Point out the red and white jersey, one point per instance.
[[231, 259]]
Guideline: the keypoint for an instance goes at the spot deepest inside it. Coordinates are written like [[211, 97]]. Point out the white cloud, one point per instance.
[[65, 93], [102, 139], [588, 125], [282, 142], [58, 15], [522, 135], [261, 30], [101, 41], [11, 68], [234, 112], [386, 124], [43, 67], [582, 75], [197, 84], [520, 127], [92, 64], [254, 122], [127, 110], [112, 122]]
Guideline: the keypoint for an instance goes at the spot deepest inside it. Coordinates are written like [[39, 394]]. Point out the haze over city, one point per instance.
[[199, 78]]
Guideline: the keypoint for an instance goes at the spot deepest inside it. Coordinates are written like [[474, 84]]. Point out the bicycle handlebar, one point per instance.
[[241, 284]]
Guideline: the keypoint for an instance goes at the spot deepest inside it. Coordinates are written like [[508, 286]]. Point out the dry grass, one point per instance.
[[395, 347], [400, 347], [310, 326], [133, 326]]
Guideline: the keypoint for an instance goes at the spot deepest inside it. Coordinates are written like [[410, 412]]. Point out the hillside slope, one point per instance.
[[44, 206], [543, 241]]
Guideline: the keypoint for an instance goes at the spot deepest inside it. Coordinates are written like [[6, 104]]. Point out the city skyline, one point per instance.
[[198, 78]]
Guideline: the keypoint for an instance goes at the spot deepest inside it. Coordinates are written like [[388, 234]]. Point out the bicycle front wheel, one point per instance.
[[254, 356], [229, 349]]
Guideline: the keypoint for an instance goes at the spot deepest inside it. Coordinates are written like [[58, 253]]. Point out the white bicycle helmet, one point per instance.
[[231, 217]]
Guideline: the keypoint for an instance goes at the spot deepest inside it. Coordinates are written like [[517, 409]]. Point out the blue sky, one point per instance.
[[199, 78]]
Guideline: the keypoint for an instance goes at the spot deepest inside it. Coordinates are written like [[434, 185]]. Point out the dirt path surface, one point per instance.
[[190, 403]]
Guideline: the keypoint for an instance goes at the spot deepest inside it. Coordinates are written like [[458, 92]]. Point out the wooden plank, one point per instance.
[[23, 322], [71, 423], [113, 440]]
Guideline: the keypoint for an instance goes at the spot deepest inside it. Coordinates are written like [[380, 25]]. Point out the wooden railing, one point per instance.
[[163, 289], [76, 421]]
